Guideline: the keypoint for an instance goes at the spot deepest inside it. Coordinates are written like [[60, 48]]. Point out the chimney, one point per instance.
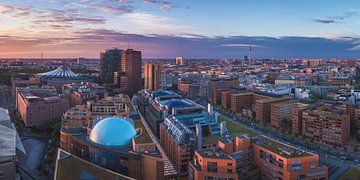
[[199, 136]]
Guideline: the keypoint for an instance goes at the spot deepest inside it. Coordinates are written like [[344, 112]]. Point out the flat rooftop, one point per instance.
[[214, 153], [280, 149], [177, 103]]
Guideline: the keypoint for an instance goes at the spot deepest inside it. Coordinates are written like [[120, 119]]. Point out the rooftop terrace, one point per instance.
[[279, 148], [214, 153]]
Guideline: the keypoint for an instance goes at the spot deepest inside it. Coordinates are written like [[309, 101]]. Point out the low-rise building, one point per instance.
[[40, 105], [80, 93], [280, 161]]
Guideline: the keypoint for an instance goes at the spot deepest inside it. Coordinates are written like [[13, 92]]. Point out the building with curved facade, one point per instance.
[[119, 144]]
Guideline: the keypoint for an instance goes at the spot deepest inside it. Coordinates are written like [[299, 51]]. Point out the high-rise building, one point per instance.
[[131, 63], [109, 63], [153, 76], [179, 60]]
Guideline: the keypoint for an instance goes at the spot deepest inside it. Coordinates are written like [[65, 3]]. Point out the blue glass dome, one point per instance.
[[113, 131]]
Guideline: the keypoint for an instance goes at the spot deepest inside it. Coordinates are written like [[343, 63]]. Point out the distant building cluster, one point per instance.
[[193, 119]]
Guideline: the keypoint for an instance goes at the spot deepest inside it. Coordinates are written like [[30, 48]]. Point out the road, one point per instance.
[[34, 146], [168, 166]]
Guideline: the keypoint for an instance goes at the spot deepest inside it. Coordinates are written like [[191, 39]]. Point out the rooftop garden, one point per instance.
[[144, 137], [236, 128], [351, 173], [280, 148]]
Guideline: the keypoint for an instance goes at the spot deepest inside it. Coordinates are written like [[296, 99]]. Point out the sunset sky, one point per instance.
[[189, 28]]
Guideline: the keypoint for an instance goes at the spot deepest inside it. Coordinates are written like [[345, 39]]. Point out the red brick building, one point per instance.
[[217, 85], [280, 161], [327, 125], [38, 108]]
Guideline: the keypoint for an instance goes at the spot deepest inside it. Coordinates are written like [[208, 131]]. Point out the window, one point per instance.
[[229, 164], [229, 170], [212, 167]]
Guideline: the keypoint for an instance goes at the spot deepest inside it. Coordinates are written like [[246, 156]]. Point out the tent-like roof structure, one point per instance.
[[61, 72]]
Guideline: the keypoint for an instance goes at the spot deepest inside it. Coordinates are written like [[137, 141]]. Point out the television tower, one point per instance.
[[250, 49]]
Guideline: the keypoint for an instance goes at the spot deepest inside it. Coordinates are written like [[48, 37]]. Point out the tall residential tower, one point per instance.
[[153, 76], [109, 64]]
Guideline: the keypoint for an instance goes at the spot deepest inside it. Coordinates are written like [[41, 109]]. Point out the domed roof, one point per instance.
[[113, 131]]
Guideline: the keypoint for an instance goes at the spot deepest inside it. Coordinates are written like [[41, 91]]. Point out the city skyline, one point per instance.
[[165, 29]]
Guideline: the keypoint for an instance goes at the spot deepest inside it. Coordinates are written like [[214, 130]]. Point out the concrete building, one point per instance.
[[232, 158], [10, 144], [353, 113], [69, 166], [281, 114], [39, 105], [181, 125], [326, 124], [189, 89], [182, 134], [213, 164], [156, 105], [82, 115], [343, 81], [194, 86], [280, 161], [240, 101], [117, 144], [263, 108], [153, 76], [219, 84], [131, 63], [296, 117], [179, 60], [109, 63], [81, 93]]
